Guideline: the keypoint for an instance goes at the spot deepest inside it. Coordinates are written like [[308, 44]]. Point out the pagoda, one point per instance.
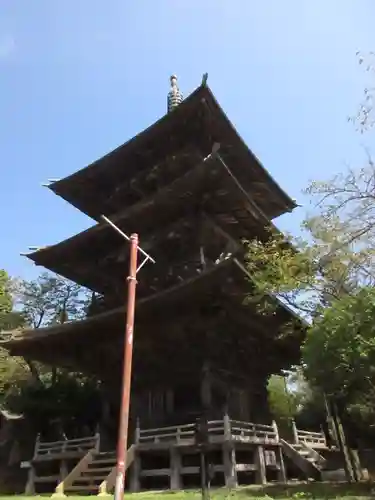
[[193, 191]]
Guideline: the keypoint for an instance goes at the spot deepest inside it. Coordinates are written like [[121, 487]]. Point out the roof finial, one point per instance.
[[175, 97]]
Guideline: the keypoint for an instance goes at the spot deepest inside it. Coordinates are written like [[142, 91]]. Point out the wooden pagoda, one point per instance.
[[192, 190]]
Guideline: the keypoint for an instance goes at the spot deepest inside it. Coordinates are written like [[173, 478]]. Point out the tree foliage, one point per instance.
[[52, 399], [328, 275], [364, 118], [344, 338], [51, 299], [9, 319], [12, 370], [335, 254], [283, 403], [61, 403]]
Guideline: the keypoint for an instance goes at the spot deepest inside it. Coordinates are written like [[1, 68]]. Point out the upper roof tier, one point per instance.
[[203, 210], [116, 180]]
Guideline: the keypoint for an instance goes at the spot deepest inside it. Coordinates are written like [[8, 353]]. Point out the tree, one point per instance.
[[283, 404], [52, 299], [344, 338], [62, 403], [12, 370], [335, 254], [9, 319], [5, 297], [364, 116], [45, 395], [328, 275]]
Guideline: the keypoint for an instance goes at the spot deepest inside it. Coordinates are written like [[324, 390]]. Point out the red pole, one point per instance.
[[122, 444]]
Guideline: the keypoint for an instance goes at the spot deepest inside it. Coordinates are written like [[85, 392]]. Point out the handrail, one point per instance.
[[45, 448], [64, 441], [251, 424], [169, 428], [309, 433], [216, 428], [310, 437]]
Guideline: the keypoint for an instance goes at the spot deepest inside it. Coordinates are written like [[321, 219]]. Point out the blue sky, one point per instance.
[[79, 77]]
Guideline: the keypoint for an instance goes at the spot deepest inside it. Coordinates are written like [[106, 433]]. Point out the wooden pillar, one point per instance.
[[206, 387], [135, 470], [261, 477], [30, 485], [63, 470], [229, 463], [281, 473], [175, 476], [63, 464], [357, 468], [169, 401], [275, 430], [229, 455], [227, 427], [295, 432]]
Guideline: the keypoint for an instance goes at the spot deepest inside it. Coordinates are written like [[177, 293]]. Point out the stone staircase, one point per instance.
[[95, 474]]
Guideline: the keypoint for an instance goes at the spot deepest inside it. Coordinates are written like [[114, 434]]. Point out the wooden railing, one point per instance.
[[167, 434], [313, 439], [246, 431], [309, 438], [218, 430], [79, 446], [59, 451]]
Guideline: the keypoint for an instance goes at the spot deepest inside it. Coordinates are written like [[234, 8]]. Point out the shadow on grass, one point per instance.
[[309, 490]]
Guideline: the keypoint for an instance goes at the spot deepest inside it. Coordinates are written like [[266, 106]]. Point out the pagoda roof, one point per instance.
[[172, 321], [91, 188], [98, 258]]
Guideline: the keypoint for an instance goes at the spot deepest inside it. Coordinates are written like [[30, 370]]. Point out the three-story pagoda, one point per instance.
[[193, 191]]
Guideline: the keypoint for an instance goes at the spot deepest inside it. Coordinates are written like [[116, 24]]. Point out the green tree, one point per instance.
[[343, 337], [9, 319], [47, 396], [283, 403], [328, 275], [51, 299], [12, 370]]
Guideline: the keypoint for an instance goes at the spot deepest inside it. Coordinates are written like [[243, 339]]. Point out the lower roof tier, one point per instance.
[[176, 331]]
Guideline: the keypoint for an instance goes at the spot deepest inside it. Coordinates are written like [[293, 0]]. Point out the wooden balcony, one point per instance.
[[219, 431]]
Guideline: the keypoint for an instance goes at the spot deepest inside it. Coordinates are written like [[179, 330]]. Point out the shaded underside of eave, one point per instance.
[[118, 164], [151, 310], [77, 258], [171, 336], [115, 162], [149, 304]]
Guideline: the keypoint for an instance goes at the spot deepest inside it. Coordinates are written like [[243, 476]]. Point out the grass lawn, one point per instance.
[[318, 491]]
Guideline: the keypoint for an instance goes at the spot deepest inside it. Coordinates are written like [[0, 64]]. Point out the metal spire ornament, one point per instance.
[[175, 97]]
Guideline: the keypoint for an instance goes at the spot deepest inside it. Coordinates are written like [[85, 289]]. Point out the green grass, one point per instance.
[[308, 491]]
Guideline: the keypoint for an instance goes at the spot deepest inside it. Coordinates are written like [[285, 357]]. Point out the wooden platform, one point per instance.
[[169, 458], [233, 447]]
